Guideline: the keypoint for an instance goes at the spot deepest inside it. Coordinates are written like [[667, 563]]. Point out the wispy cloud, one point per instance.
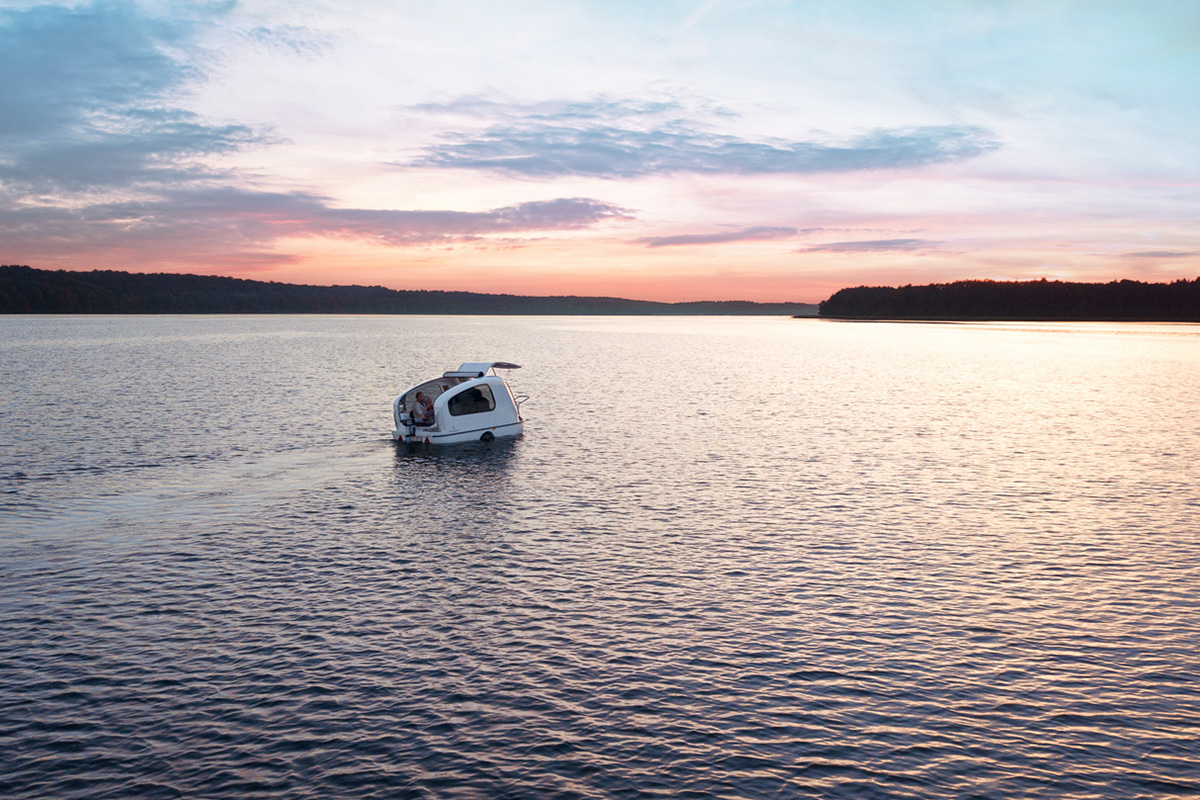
[[761, 233], [243, 221], [141, 148], [599, 110], [87, 99], [612, 140], [94, 157], [306, 216], [1163, 254], [872, 246], [289, 39], [61, 63]]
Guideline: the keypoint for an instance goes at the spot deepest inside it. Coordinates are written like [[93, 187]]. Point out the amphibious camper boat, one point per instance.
[[465, 405]]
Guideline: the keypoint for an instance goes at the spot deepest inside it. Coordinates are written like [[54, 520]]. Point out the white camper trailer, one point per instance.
[[465, 405]]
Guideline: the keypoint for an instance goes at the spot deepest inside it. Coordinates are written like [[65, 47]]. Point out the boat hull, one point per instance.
[[420, 435]]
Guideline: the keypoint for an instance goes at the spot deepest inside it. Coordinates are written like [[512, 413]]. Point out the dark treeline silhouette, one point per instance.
[[1026, 300], [24, 290]]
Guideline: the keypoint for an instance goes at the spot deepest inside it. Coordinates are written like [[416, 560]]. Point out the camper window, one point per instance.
[[473, 401]]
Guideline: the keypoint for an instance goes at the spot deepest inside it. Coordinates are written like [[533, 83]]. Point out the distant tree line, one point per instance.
[[1025, 300], [25, 290]]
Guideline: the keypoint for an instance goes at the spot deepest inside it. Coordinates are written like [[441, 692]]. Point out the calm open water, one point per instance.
[[731, 557]]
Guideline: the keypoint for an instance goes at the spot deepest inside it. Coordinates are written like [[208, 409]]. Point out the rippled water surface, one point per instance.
[[730, 557]]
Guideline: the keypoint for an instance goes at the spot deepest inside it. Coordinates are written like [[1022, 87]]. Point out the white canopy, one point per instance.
[[477, 369]]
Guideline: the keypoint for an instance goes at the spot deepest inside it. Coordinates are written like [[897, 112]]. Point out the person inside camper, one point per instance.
[[422, 411]]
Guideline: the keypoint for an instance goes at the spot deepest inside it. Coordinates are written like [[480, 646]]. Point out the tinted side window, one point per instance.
[[473, 401]]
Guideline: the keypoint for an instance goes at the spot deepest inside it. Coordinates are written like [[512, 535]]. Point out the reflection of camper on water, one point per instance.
[[464, 405]]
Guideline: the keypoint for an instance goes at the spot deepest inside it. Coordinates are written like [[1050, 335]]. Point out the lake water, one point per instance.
[[730, 557]]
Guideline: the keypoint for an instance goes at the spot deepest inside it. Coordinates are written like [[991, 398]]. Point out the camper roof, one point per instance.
[[477, 369]]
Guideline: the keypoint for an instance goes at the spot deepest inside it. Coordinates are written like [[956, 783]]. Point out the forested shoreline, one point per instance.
[[1123, 300], [26, 290]]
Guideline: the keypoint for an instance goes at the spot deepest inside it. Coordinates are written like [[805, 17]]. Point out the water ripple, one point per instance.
[[892, 593]]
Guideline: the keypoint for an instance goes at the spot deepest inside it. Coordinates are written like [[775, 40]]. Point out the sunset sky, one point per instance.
[[699, 150]]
